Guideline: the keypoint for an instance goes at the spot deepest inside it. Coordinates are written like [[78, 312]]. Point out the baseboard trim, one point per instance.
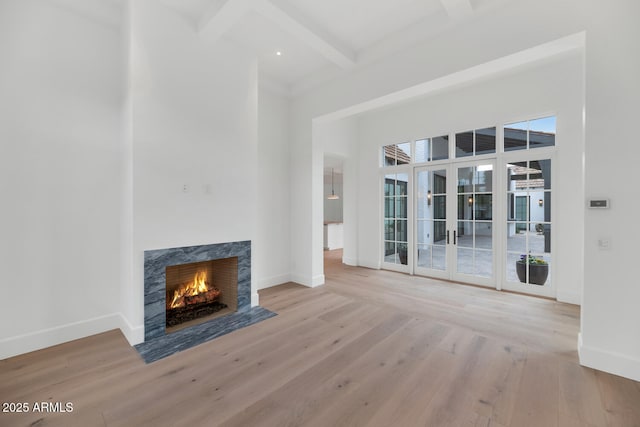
[[310, 282], [350, 261], [269, 282], [569, 297], [44, 338], [133, 334], [255, 299], [372, 265], [607, 361]]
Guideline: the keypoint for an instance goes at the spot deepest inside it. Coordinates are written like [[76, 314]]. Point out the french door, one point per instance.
[[454, 222]]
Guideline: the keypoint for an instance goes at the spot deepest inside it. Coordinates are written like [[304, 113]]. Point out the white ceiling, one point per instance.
[[322, 38], [318, 39]]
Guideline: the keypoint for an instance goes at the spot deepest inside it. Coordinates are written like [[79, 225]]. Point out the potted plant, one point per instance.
[[402, 253], [538, 269]]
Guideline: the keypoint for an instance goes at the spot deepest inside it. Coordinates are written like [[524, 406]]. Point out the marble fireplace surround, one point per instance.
[[157, 343]]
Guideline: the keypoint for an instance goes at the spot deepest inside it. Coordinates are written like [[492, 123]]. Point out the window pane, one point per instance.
[[512, 259], [390, 252], [424, 235], [440, 182], [486, 141], [424, 197], [401, 184], [515, 136], [465, 261], [422, 150], [424, 256], [483, 263], [542, 132], [439, 207], [483, 178], [440, 148], [483, 206], [404, 153], [401, 230], [540, 170], [465, 206], [464, 144], [440, 232], [439, 257], [389, 155], [465, 180], [483, 235], [389, 229], [401, 207], [389, 207], [516, 242], [389, 185], [540, 242], [465, 234]]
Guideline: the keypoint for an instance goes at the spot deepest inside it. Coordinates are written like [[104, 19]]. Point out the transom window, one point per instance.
[[476, 142], [530, 134], [396, 154], [429, 149]]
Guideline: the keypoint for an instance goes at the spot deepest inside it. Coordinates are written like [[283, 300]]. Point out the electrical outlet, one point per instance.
[[604, 243], [185, 188]]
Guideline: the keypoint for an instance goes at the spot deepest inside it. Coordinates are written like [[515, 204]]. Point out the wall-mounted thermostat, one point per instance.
[[599, 203]]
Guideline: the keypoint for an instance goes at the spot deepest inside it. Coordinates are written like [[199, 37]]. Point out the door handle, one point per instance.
[[447, 237], [454, 237]]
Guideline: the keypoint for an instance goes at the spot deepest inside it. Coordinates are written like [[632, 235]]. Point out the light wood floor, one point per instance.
[[369, 348]]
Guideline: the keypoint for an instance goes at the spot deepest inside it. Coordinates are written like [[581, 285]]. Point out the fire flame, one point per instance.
[[198, 286]]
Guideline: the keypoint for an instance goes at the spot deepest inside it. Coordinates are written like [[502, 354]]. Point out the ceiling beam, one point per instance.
[[457, 9], [218, 19], [307, 32]]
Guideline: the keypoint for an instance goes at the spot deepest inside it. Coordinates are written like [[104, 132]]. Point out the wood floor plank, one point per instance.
[[370, 348], [539, 392], [276, 408]]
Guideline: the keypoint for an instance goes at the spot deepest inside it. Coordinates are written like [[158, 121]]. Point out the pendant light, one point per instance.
[[333, 195]]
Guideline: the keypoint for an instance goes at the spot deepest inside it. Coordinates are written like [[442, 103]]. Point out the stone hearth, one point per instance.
[[158, 343]]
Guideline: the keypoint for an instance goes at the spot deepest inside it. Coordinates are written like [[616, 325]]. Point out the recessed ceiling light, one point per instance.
[[279, 53]]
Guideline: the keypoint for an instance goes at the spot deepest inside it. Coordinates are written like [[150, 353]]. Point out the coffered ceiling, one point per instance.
[[301, 42]]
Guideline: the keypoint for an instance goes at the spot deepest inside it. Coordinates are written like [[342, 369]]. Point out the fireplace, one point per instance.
[[217, 278], [200, 291]]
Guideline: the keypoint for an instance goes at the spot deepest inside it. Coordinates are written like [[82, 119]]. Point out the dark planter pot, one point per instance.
[[402, 253], [538, 273]]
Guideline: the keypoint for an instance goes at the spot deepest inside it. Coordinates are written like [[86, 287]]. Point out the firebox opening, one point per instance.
[[200, 291]]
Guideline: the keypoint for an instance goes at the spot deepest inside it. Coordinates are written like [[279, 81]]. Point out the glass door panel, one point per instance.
[[395, 224], [431, 222], [528, 229], [473, 240]]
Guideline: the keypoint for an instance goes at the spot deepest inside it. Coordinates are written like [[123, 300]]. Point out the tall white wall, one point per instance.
[[272, 249], [61, 164], [555, 87], [610, 338], [194, 124]]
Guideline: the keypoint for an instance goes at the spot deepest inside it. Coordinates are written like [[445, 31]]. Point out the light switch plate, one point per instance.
[[599, 203]]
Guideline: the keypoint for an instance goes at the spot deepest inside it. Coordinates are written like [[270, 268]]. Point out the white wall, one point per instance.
[[194, 124], [554, 87], [610, 338], [61, 165], [272, 250], [611, 69]]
